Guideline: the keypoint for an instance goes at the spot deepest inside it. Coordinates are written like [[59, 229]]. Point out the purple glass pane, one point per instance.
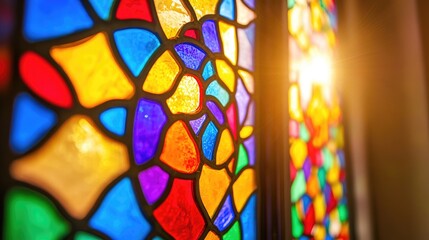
[[250, 120], [153, 182], [250, 146], [246, 39], [191, 55], [242, 98], [307, 168], [225, 216], [148, 124], [250, 3], [210, 36], [197, 123], [215, 111]]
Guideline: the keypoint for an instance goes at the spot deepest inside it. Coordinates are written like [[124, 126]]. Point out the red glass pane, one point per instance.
[[134, 9], [44, 80]]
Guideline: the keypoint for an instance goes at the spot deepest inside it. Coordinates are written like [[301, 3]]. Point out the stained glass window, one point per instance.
[[133, 119], [317, 167]]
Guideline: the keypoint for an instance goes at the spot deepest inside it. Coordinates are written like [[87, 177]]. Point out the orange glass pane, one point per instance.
[[213, 185], [75, 165], [225, 148], [243, 188], [180, 150], [211, 236]]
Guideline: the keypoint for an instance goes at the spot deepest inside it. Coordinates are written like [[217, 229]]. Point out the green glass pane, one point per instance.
[[297, 228], [321, 174], [85, 236], [30, 215], [298, 186], [290, 3], [328, 159], [344, 214], [233, 233], [304, 134], [243, 159]]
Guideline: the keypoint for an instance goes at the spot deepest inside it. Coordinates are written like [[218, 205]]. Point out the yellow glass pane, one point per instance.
[[243, 188], [298, 152], [244, 14], [172, 16], [248, 80], [213, 185], [75, 165], [225, 148], [295, 16], [319, 207], [226, 74], [229, 41], [337, 190], [211, 236], [295, 111], [161, 77], [186, 98], [246, 132], [180, 150], [93, 71], [318, 16], [203, 7], [319, 232]]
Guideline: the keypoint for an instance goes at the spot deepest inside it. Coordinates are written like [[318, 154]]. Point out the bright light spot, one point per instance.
[[317, 69]]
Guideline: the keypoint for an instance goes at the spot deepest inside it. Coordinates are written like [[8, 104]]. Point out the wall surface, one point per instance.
[[383, 64]]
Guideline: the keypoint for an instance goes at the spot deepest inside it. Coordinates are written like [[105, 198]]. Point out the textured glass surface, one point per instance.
[[134, 119], [62, 164], [317, 167], [95, 79]]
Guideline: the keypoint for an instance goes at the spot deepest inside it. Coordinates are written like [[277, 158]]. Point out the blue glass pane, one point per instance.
[[119, 216], [31, 121], [197, 123], [306, 201], [248, 219], [209, 140], [227, 9], [217, 91], [136, 46], [210, 36], [217, 113], [114, 120], [46, 19], [102, 7], [208, 70], [191, 55], [225, 216], [148, 123]]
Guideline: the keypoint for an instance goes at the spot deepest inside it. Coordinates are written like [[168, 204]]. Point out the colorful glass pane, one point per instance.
[[130, 119], [317, 170]]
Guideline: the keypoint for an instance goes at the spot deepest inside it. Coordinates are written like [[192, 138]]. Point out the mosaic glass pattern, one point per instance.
[[134, 120], [317, 166]]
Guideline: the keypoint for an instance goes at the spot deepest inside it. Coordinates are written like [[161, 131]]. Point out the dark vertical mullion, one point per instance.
[[272, 119], [6, 102]]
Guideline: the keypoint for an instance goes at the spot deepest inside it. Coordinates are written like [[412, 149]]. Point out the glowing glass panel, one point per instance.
[[315, 128]]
